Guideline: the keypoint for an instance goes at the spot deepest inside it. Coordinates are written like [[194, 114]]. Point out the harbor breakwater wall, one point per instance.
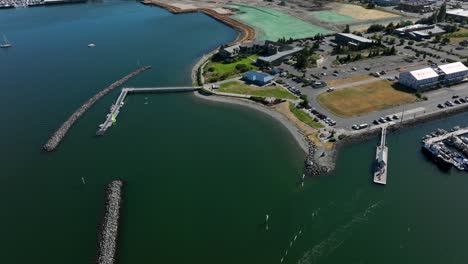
[[246, 32], [107, 243], [57, 137]]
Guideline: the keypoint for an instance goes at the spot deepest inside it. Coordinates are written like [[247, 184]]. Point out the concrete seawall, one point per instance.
[[107, 243], [57, 137]]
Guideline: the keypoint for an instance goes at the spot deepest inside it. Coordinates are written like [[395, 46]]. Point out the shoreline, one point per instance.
[[245, 32], [290, 126]]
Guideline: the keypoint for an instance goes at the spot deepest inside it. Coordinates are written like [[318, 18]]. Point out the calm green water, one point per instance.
[[201, 176]]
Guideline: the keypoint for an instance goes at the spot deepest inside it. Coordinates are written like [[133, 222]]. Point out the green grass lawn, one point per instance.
[[304, 117], [272, 24], [267, 91], [228, 70]]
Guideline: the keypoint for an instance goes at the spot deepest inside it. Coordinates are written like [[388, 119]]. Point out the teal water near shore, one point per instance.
[[200, 175]]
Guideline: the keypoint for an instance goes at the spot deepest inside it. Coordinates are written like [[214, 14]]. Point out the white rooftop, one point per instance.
[[453, 67], [425, 73], [458, 12], [356, 37]]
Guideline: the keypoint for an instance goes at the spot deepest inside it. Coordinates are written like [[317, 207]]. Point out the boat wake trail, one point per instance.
[[336, 237]]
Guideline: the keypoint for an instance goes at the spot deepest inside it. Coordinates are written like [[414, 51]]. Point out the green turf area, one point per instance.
[[272, 25], [213, 71], [332, 17], [304, 117], [267, 91]]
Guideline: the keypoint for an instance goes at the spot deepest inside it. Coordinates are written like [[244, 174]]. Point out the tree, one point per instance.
[[390, 28], [442, 13], [402, 42], [375, 28], [347, 30], [445, 40], [371, 4], [411, 42], [303, 59]]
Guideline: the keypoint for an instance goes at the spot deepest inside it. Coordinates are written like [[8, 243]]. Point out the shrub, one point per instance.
[[211, 69]]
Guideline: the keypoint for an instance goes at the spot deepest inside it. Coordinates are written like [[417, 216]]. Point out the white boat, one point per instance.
[[5, 43], [91, 45]]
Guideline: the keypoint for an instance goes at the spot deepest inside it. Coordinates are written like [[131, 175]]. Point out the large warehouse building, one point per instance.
[[428, 78]]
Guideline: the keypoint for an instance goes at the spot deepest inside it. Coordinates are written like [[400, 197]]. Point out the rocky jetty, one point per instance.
[[107, 243], [311, 166], [57, 137]]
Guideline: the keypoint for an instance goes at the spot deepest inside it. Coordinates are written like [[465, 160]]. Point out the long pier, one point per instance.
[[57, 137], [447, 135], [107, 243], [381, 158], [115, 108]]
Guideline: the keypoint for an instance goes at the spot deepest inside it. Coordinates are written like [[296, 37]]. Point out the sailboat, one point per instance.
[[5, 43]]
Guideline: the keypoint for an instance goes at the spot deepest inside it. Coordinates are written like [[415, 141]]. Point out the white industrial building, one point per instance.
[[458, 14], [428, 78], [420, 79], [453, 72]]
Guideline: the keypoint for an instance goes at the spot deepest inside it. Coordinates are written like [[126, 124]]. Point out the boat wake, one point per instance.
[[336, 237]]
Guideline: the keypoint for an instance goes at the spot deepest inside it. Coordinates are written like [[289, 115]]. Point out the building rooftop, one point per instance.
[[280, 54], [425, 73], [415, 3], [356, 37], [453, 68], [414, 27], [431, 31], [231, 48], [458, 12]]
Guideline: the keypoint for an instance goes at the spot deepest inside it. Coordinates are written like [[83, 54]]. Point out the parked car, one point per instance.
[[463, 100], [367, 68], [388, 118], [376, 122], [354, 68], [455, 96], [382, 120], [335, 74], [441, 105], [362, 126], [457, 101], [448, 103], [331, 89]]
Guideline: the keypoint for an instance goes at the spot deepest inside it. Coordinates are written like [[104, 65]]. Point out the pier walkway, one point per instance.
[[381, 157], [447, 135], [115, 108]]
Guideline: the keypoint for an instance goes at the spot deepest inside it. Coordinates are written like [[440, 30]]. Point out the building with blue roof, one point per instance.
[[259, 78]]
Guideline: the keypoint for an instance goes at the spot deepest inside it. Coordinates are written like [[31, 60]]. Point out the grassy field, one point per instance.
[[361, 13], [459, 36], [267, 91], [349, 80], [332, 17], [228, 70], [362, 99], [304, 117], [272, 24]]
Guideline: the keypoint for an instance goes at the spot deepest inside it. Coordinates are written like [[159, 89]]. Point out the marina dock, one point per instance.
[[447, 135], [381, 157], [115, 108], [60, 133]]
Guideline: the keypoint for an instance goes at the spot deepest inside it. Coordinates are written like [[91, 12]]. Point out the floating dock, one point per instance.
[[381, 157], [439, 138], [115, 108]]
